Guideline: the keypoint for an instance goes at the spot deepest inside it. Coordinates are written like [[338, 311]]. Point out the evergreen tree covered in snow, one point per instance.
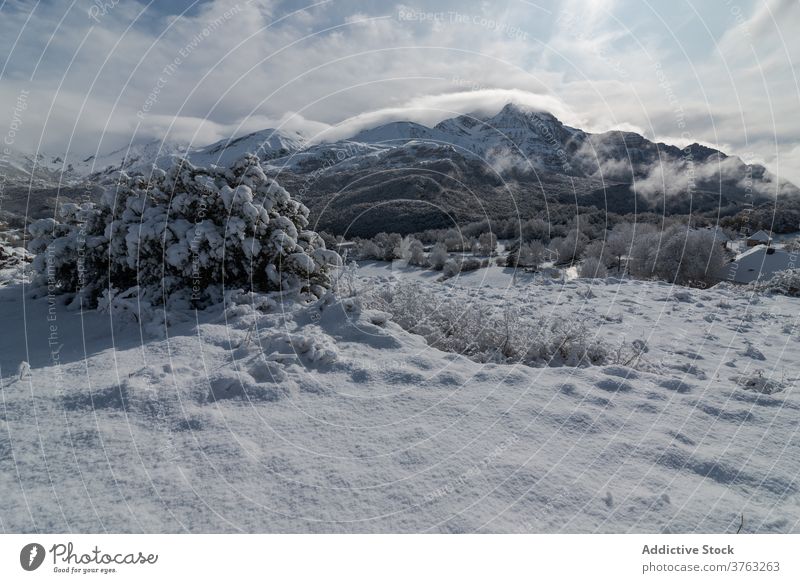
[[183, 235]]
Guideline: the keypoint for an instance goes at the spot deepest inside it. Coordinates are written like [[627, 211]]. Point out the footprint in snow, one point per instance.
[[681, 438], [449, 378], [614, 385], [676, 385], [753, 352]]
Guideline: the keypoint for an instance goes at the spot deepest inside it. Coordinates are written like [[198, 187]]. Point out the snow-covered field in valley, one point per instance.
[[329, 417]]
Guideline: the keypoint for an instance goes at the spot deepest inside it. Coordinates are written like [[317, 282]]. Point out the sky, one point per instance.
[[84, 77]]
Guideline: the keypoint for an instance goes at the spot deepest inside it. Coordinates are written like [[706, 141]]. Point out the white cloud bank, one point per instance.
[[688, 72]]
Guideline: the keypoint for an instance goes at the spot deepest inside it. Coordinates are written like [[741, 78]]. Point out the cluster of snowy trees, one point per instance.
[[439, 257], [552, 223], [676, 253], [781, 215], [180, 237], [389, 247]]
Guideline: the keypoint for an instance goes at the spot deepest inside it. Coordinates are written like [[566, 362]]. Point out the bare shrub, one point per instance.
[[487, 243], [758, 382], [486, 335], [531, 255], [438, 256], [678, 255], [592, 267], [569, 248], [785, 283], [411, 251]]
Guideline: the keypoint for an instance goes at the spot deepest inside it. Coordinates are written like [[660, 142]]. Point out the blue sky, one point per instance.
[[95, 75]]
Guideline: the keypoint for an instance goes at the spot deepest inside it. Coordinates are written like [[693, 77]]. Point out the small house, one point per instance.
[[759, 238], [719, 235], [759, 263]]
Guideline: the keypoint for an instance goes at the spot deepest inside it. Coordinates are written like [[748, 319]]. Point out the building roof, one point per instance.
[[760, 236], [759, 262], [719, 234]]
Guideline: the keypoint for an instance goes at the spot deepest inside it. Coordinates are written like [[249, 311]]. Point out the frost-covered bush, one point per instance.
[[382, 247], [620, 243], [678, 255], [368, 249], [570, 248], [452, 267], [389, 244], [182, 235], [455, 240], [488, 335], [535, 230], [412, 251], [438, 257], [786, 283], [487, 243], [458, 264], [528, 255], [12, 256], [592, 267]]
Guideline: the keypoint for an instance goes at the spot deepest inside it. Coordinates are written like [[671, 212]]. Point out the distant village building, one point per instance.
[[719, 235], [759, 238], [760, 262]]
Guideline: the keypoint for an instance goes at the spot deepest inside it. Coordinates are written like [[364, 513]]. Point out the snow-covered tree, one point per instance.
[[487, 243], [412, 251], [11, 256], [793, 245], [368, 249], [535, 230], [390, 245], [438, 256], [619, 242], [644, 251], [451, 268], [569, 248], [530, 255], [183, 235], [702, 259], [678, 255], [592, 267], [454, 240], [598, 249]]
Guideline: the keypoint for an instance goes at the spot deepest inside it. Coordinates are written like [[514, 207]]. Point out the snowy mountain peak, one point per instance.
[[396, 131], [514, 112], [534, 135], [461, 125], [266, 144], [134, 156]]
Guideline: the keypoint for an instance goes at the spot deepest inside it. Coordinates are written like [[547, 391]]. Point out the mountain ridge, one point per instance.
[[517, 161]]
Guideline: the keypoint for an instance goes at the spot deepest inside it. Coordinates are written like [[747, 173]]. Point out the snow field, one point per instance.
[[331, 418]]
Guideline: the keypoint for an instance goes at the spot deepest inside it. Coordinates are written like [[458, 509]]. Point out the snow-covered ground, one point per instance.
[[331, 418]]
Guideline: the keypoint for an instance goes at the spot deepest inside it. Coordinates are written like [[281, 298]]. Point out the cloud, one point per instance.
[[706, 75], [202, 131], [680, 178]]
